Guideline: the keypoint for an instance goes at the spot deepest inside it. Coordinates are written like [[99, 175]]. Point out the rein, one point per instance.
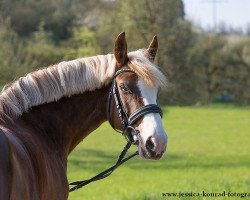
[[107, 172], [128, 130]]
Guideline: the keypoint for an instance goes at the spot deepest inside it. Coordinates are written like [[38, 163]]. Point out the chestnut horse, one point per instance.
[[47, 113]]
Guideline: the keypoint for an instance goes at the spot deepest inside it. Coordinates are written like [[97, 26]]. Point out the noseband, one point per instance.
[[128, 130], [127, 122]]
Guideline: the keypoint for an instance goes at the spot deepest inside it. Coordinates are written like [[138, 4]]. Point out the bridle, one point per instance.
[[127, 122], [128, 130]]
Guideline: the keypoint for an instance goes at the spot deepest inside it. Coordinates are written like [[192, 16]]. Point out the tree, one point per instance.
[[19, 56], [143, 20], [82, 44], [237, 81], [40, 50], [174, 58], [140, 21], [26, 16], [12, 53], [207, 60]]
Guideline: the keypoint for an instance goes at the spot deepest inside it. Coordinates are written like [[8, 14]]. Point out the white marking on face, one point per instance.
[[151, 126]]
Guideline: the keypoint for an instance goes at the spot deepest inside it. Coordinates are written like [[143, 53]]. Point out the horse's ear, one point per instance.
[[120, 49], [152, 49]]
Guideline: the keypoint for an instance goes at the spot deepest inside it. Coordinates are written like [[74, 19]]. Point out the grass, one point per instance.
[[208, 150]]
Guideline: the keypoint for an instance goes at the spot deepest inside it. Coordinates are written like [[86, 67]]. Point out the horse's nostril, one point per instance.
[[150, 144]]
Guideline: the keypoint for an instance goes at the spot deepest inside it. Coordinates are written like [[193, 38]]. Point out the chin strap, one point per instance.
[[78, 184]]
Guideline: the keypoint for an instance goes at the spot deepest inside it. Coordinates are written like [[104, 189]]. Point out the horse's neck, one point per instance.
[[46, 134], [62, 125]]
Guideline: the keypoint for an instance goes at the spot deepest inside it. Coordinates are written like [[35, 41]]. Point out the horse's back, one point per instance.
[[5, 167]]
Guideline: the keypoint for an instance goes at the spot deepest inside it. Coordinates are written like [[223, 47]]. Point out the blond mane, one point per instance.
[[69, 78]]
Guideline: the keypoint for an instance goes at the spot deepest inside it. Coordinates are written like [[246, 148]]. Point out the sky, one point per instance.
[[233, 12]]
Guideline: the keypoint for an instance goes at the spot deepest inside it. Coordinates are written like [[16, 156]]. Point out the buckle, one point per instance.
[[131, 134]]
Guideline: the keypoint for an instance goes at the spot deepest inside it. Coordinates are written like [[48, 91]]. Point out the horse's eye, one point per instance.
[[124, 88]]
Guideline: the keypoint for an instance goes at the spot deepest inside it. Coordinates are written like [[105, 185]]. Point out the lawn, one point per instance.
[[208, 150]]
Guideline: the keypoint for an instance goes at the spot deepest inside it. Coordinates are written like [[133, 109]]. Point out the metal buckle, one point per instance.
[[130, 134]]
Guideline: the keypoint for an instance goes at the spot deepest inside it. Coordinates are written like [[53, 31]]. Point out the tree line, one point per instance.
[[201, 67]]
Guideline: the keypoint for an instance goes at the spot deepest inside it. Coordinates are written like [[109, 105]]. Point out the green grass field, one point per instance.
[[208, 150]]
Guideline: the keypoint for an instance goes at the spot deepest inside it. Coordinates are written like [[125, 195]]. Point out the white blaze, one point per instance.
[[151, 125]]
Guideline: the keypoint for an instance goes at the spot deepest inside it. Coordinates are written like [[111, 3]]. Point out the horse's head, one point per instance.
[[135, 88]]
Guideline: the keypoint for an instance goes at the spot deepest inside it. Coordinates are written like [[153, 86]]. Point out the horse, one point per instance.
[[47, 113]]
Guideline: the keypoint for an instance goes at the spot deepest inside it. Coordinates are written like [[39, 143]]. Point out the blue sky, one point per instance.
[[233, 12]]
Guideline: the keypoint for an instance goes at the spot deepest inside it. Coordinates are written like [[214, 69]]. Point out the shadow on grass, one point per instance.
[[94, 160]]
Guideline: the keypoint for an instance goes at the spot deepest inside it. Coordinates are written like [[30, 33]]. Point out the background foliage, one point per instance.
[[201, 67]]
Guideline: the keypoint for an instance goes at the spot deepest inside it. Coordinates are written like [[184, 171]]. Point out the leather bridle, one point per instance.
[[127, 122], [128, 130]]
